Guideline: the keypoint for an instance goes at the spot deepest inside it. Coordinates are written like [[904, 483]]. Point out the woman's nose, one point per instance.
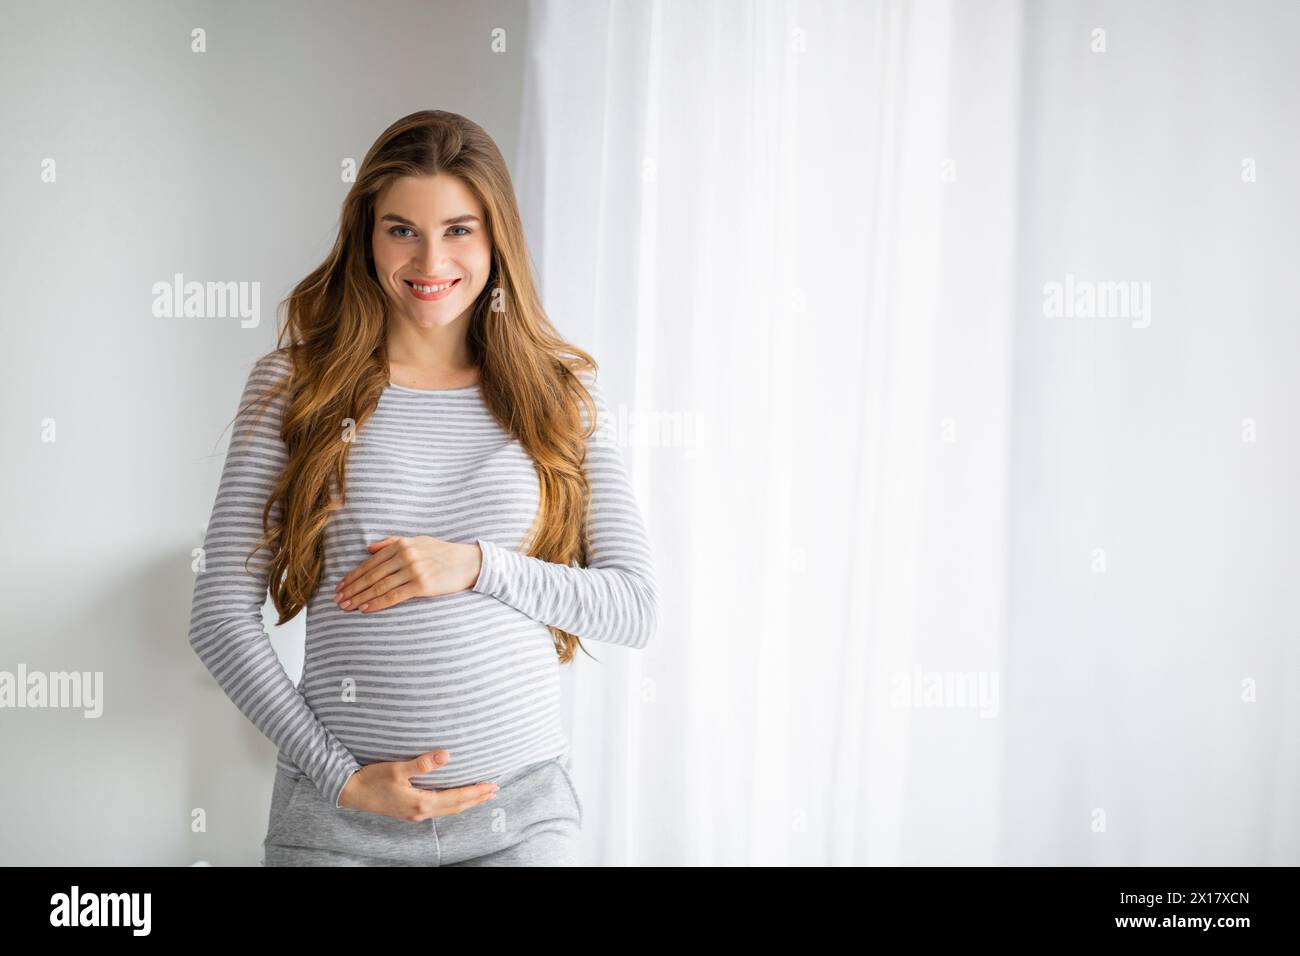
[[431, 262]]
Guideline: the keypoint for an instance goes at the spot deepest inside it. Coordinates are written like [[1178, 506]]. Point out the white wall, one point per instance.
[[221, 166]]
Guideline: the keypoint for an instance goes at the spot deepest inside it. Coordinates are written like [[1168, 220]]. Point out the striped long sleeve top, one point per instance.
[[474, 671]]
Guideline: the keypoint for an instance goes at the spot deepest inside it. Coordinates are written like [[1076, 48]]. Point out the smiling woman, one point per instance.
[[448, 261], [489, 521]]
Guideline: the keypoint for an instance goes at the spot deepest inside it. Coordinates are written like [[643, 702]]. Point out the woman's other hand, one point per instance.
[[386, 788], [403, 568]]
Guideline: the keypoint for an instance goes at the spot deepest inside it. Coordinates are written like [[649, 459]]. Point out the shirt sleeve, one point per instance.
[[226, 630], [613, 599]]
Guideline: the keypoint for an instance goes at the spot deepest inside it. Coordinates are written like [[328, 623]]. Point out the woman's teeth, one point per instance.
[[433, 288]]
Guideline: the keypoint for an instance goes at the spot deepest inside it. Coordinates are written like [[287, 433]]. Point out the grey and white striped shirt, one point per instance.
[[475, 671]]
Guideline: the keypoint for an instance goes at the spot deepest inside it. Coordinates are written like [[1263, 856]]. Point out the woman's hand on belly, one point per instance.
[[402, 568], [386, 788]]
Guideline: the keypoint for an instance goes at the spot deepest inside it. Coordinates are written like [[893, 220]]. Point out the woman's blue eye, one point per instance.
[[393, 231]]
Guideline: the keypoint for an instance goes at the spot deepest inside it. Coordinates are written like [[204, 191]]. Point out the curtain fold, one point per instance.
[[746, 211]]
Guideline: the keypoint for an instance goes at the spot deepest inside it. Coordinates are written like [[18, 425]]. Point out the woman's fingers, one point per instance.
[[442, 803], [397, 796], [385, 591], [407, 568], [395, 595], [427, 762], [379, 557], [386, 563], [445, 803], [382, 578]]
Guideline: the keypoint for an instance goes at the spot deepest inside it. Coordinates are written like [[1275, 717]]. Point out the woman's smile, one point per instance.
[[433, 291]]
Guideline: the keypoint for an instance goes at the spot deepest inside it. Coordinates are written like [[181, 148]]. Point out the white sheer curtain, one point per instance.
[[786, 232]]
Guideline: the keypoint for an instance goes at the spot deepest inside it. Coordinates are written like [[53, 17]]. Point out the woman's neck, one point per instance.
[[431, 358]]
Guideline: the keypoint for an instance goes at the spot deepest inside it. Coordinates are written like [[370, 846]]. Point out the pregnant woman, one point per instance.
[[427, 468]]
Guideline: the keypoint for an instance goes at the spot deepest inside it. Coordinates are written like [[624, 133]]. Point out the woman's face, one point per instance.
[[430, 231]]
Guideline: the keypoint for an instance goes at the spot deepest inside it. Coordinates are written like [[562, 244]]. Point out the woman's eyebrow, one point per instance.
[[446, 222]]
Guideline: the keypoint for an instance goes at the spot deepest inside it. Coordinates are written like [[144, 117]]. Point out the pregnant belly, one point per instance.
[[463, 671]]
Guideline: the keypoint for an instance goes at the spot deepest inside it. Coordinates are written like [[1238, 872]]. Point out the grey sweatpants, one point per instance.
[[534, 821]]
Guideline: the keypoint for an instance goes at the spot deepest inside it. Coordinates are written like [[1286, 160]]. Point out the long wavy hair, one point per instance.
[[335, 335]]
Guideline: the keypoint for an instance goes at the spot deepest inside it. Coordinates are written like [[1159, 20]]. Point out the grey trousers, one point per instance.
[[534, 821]]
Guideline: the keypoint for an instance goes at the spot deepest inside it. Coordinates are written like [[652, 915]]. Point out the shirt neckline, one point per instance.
[[433, 391]]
